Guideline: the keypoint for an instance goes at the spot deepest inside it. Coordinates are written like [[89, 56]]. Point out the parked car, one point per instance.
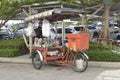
[[113, 27], [19, 33], [6, 34], [18, 29], [68, 30], [19, 26], [98, 26], [116, 38]]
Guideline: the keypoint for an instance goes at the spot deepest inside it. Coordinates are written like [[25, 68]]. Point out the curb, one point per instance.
[[104, 64], [90, 63], [15, 60]]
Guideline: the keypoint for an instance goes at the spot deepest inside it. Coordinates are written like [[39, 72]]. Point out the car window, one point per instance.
[[59, 30], [3, 30], [118, 37], [99, 25], [111, 25], [67, 30], [78, 28], [52, 30], [91, 28]]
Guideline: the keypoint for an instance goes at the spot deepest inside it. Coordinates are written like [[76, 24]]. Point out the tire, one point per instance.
[[36, 61], [82, 57]]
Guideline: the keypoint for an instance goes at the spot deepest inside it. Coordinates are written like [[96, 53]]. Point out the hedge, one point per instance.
[[96, 52], [99, 52], [12, 48]]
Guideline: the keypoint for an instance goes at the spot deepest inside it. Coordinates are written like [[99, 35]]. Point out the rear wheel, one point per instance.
[[80, 63], [36, 61]]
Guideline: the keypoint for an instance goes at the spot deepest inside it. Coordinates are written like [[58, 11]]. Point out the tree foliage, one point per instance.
[[9, 8], [82, 3]]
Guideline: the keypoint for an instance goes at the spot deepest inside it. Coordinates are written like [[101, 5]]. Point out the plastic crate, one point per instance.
[[78, 41]]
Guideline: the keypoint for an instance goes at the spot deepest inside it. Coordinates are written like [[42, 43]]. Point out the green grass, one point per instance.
[[12, 48], [99, 52]]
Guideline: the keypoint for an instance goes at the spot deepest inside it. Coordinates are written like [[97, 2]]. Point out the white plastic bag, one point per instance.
[[30, 31], [36, 23], [45, 28]]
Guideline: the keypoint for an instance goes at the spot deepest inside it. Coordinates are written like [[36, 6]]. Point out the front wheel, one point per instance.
[[81, 62], [36, 61]]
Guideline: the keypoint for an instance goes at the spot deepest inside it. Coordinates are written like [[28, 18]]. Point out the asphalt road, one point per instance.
[[11, 71]]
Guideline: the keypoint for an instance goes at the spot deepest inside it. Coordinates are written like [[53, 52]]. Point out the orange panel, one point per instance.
[[78, 41]]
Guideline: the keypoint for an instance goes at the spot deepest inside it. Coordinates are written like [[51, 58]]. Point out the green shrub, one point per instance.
[[99, 52], [12, 48], [9, 52], [12, 43]]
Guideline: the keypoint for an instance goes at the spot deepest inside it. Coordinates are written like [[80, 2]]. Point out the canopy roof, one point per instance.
[[51, 6], [56, 14]]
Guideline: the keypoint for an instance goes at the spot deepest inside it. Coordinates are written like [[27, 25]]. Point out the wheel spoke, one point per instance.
[[36, 61], [80, 64]]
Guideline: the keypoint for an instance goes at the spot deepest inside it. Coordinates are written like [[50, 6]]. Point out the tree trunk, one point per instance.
[[106, 35], [84, 22]]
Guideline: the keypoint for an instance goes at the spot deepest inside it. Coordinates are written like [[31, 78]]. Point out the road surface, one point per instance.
[[12, 71]]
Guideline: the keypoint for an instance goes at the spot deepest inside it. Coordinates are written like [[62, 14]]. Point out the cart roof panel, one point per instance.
[[56, 14]]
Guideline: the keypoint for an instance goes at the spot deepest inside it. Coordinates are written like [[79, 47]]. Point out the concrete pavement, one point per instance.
[[106, 75], [11, 71], [109, 75]]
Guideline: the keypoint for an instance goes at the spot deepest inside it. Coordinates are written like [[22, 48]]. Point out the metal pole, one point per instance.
[[56, 30], [83, 20], [63, 33], [30, 37], [63, 30]]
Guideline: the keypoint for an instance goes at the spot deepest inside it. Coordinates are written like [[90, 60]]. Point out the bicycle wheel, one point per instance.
[[36, 61], [80, 63]]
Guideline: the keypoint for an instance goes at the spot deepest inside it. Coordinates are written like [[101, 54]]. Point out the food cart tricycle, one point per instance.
[[73, 55]]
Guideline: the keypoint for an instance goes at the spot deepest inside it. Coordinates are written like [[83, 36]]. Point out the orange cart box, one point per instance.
[[78, 41]]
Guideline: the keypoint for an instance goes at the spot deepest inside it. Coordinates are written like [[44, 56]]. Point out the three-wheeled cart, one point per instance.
[[72, 55]]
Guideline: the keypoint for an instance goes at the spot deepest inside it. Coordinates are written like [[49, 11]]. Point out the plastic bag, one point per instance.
[[45, 28], [36, 23], [30, 31]]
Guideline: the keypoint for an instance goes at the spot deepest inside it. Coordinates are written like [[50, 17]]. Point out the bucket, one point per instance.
[[79, 64], [36, 42]]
